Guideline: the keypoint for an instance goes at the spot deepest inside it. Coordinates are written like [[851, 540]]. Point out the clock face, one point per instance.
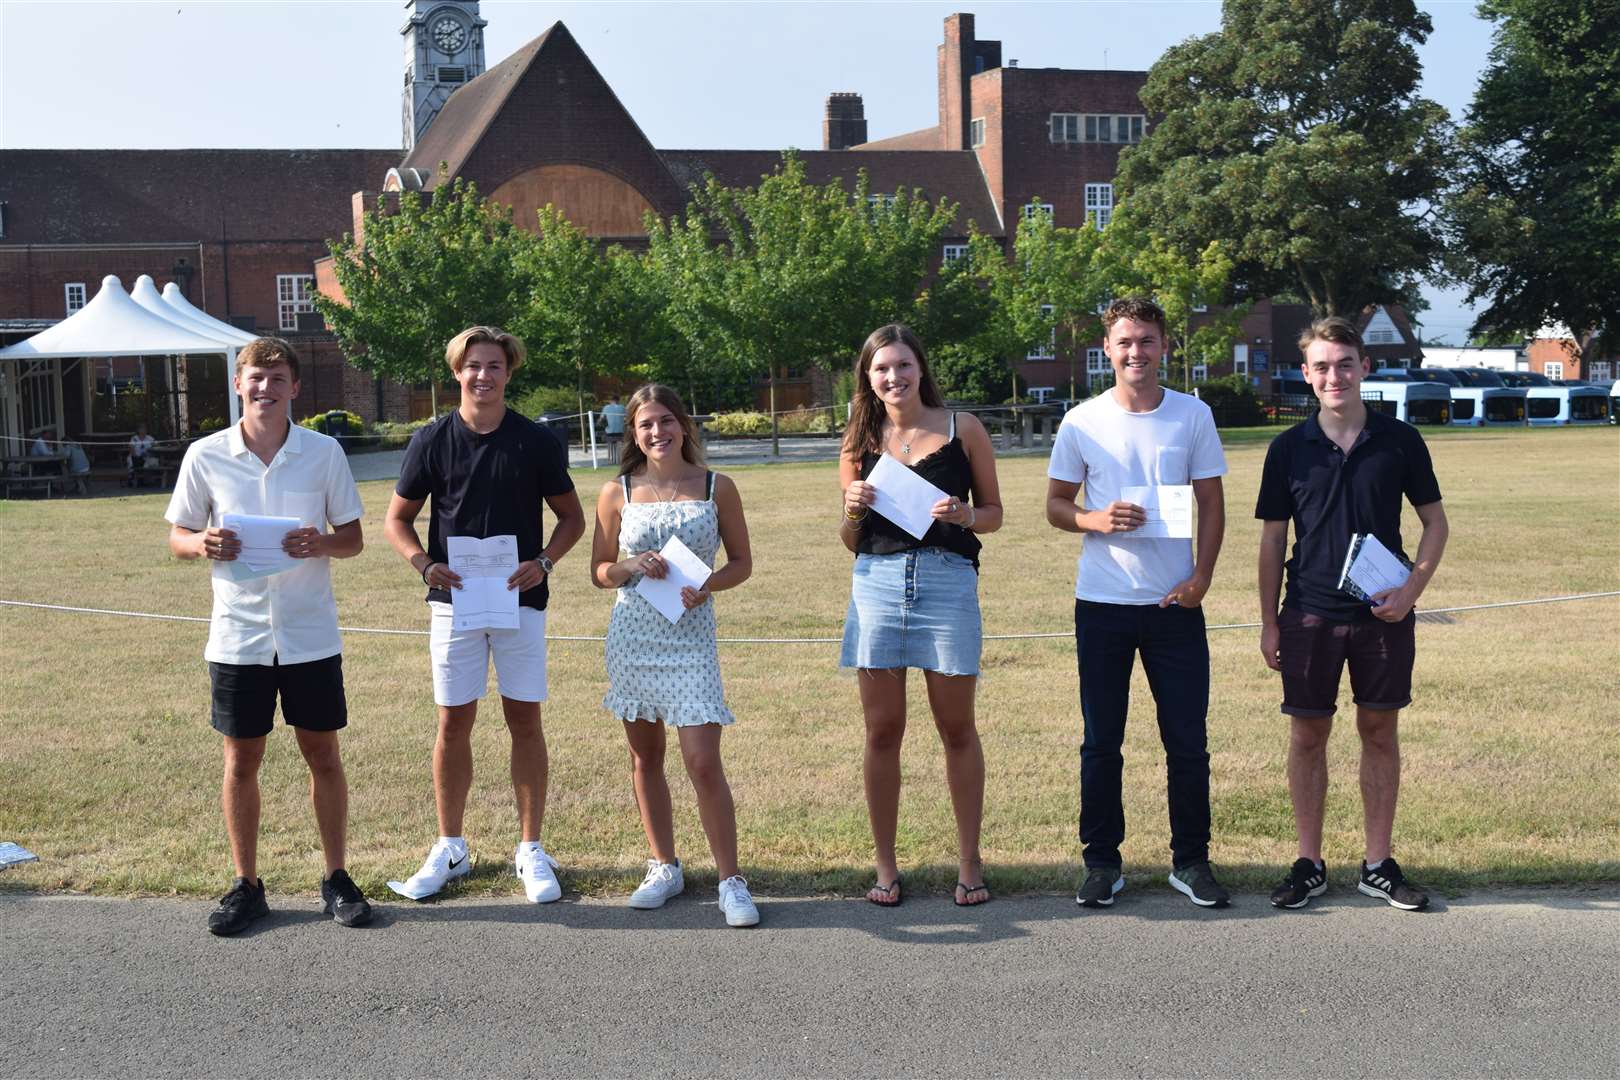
[[449, 35]]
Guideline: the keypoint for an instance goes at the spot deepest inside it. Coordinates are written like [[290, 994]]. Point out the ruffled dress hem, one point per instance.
[[683, 714]]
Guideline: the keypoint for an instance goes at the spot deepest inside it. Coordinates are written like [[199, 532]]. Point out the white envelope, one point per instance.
[[904, 497], [685, 569], [1169, 511], [261, 537]]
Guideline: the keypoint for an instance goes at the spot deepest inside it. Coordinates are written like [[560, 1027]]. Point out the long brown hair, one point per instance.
[[631, 457], [866, 414]]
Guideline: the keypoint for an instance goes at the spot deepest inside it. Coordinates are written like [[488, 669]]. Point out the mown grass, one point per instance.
[[109, 771]]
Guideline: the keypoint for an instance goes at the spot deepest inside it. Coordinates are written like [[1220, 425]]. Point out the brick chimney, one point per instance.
[[845, 122]]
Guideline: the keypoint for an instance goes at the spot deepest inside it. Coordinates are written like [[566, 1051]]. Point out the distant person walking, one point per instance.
[[1140, 594], [273, 635], [613, 414], [1340, 472], [488, 471], [915, 603], [663, 674]]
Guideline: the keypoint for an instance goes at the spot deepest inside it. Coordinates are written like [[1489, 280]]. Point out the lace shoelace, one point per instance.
[[656, 873]]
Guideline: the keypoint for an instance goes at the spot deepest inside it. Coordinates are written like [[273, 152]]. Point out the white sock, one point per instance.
[[1375, 865], [528, 845], [457, 842]]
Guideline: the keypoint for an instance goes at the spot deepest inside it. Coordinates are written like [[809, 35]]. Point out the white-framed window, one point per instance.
[[1100, 203], [1602, 371], [1031, 209], [1047, 351], [881, 199], [1199, 308], [1240, 359], [294, 293], [1096, 127], [976, 131], [1553, 369], [1097, 362], [1200, 372], [954, 252], [74, 291], [1041, 393]]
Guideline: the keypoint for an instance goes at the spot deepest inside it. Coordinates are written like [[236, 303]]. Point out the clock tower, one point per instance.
[[444, 48]]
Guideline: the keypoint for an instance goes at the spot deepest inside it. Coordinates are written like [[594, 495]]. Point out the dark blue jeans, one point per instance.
[[1175, 656]]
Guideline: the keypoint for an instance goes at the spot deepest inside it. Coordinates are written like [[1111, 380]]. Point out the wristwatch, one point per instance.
[[545, 563]]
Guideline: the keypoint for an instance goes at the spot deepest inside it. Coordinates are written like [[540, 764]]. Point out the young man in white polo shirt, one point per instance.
[[1140, 594], [274, 635], [488, 471]]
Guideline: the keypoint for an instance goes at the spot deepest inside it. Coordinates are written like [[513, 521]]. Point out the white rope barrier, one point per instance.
[[64, 609]]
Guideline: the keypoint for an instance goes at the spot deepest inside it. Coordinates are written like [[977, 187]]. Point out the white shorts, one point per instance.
[[461, 658]]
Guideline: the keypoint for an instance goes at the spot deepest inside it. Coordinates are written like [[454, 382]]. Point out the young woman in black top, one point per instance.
[[914, 603]]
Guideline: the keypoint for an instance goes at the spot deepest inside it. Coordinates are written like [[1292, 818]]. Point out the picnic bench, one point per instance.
[[38, 472]]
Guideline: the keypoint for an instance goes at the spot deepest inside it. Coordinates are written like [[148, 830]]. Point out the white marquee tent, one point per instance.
[[112, 324]]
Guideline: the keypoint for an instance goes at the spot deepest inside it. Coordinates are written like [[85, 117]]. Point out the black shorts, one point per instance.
[[1313, 652], [244, 696]]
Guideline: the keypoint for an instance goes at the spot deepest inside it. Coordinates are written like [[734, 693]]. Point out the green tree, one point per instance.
[[442, 263], [779, 276], [1535, 214], [1296, 137], [581, 309]]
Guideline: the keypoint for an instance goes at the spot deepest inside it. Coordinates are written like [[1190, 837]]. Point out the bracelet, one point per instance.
[[973, 515], [856, 517], [425, 568]]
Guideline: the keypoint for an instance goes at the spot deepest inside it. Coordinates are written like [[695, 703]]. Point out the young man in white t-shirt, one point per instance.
[[1139, 593], [273, 635]]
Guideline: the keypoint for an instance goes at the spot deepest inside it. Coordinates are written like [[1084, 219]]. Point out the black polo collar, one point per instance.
[[1375, 423]]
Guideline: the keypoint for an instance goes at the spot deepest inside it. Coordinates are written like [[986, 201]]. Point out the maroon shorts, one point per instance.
[[1313, 651]]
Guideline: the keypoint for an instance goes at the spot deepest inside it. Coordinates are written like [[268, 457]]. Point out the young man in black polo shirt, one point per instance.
[[1343, 471], [487, 470]]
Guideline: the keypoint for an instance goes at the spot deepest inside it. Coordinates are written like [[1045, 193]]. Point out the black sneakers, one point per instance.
[[238, 908], [344, 901], [1102, 884], [1389, 884], [1196, 881], [1305, 879]]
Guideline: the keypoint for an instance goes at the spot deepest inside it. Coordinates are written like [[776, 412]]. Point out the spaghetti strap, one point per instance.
[[711, 486], [624, 482], [952, 435]]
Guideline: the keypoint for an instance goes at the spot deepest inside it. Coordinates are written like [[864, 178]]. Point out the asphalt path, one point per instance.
[[1512, 984]]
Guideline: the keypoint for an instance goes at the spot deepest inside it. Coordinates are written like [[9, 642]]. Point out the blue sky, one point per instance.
[[182, 73]]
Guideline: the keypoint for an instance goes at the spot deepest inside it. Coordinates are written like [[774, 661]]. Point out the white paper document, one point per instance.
[[685, 569], [904, 497], [1370, 568], [12, 854], [485, 567], [1169, 511], [261, 538]]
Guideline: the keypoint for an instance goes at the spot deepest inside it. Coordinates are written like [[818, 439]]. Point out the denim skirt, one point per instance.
[[917, 609]]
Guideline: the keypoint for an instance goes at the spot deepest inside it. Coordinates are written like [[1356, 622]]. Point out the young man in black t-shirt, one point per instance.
[[1341, 472], [487, 471]]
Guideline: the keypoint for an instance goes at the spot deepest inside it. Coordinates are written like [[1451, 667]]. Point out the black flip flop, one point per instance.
[[969, 890], [891, 890]]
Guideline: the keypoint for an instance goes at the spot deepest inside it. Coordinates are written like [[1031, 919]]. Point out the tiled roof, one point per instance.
[[950, 174], [155, 196]]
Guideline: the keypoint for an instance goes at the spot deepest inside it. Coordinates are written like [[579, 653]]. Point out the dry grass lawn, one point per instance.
[[109, 771]]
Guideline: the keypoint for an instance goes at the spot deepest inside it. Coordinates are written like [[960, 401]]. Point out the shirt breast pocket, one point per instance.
[[309, 507], [1171, 467]]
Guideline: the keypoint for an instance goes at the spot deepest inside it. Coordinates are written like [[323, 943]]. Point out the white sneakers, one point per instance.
[[663, 881], [735, 903], [537, 871], [446, 861]]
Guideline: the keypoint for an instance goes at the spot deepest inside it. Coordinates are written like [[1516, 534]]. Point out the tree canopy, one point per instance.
[[441, 264], [1295, 136], [1535, 214]]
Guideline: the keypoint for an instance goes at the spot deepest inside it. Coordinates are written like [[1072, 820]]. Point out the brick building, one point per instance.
[[244, 232]]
